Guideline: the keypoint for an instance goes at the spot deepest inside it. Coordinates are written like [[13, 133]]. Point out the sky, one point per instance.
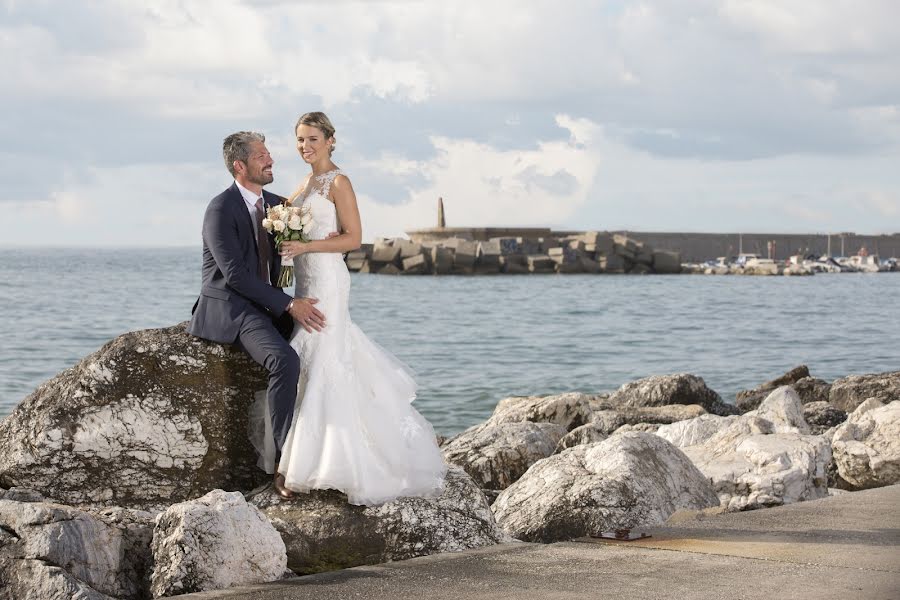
[[655, 115]]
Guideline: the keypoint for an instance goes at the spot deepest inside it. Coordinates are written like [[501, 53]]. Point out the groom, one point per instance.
[[239, 303]]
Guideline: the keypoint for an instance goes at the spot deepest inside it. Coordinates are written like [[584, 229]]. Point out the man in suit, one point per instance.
[[239, 303]]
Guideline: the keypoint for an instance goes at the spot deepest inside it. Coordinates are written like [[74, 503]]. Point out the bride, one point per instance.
[[354, 428]]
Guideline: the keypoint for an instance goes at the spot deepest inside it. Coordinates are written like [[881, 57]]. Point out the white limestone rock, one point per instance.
[[586, 434], [50, 551], [867, 445], [662, 390], [213, 543], [152, 418], [849, 392], [323, 532], [694, 431], [783, 408], [496, 454], [760, 459], [764, 470], [628, 480], [570, 410]]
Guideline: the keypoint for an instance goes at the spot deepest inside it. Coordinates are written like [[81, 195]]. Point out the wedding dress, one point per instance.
[[354, 428]]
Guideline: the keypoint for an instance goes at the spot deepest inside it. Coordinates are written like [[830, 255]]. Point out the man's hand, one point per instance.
[[309, 317]]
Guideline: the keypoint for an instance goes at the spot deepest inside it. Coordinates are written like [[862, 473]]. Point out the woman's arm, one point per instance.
[[350, 236]]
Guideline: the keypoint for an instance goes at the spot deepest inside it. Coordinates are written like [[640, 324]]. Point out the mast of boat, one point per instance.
[[829, 246], [740, 244]]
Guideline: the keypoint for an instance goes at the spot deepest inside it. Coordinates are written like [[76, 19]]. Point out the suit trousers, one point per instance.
[[259, 338]]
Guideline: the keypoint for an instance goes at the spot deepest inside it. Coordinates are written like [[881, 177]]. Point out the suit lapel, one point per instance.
[[241, 207]]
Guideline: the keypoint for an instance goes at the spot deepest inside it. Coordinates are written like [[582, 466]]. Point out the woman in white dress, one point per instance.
[[354, 427]]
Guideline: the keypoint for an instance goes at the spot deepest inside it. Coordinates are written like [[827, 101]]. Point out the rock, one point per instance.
[[495, 454], [666, 262], [613, 263], [385, 251], [586, 434], [867, 445], [489, 253], [540, 263], [661, 390], [693, 431], [415, 264], [849, 392], [822, 416], [213, 543], [763, 470], [441, 260], [747, 400], [323, 532], [624, 246], [783, 409], [19, 494], [466, 253], [408, 248], [628, 480], [759, 459], [812, 389], [389, 269], [570, 410], [152, 418], [606, 421], [54, 551]]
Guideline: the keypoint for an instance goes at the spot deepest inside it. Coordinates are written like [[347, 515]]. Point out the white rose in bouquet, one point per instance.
[[305, 220], [294, 222], [296, 210], [278, 225], [267, 225]]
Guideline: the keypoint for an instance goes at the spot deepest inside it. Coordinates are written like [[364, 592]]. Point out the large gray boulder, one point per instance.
[[152, 418], [496, 454], [662, 390], [213, 543], [570, 410], [849, 392], [760, 459], [606, 422], [54, 552], [747, 400], [822, 416], [867, 446], [628, 480], [323, 532]]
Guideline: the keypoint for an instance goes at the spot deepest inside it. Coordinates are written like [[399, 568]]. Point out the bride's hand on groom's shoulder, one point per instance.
[[309, 317]]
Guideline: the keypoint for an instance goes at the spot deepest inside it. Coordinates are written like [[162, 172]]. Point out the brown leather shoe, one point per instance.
[[281, 490]]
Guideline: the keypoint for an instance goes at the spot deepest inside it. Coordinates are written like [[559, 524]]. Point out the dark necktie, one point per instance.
[[263, 249]]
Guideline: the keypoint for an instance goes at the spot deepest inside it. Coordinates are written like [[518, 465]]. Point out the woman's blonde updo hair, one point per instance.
[[320, 121]]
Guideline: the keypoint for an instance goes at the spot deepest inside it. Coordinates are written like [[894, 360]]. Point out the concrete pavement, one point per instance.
[[841, 548]]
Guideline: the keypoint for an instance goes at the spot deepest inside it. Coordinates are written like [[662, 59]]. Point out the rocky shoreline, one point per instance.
[[588, 252], [130, 476]]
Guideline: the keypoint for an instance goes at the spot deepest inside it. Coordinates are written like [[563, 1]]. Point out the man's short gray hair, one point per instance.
[[237, 147]]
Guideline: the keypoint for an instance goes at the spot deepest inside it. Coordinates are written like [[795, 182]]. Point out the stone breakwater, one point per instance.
[[587, 252], [130, 475]]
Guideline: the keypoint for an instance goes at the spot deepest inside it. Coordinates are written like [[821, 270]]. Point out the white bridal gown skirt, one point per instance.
[[354, 428]]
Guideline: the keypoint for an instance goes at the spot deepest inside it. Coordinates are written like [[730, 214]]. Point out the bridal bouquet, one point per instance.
[[288, 223]]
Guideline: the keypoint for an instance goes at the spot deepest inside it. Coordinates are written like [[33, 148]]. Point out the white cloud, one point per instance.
[[484, 186], [711, 114]]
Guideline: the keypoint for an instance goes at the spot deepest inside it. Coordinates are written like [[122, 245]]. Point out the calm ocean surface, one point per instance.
[[475, 340]]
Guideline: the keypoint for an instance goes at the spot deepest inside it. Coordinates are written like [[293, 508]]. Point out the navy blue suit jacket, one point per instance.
[[231, 287]]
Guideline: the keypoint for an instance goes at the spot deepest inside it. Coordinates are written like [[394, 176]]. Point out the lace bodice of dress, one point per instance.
[[324, 214]]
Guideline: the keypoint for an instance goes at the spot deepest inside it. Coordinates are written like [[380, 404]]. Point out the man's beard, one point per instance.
[[261, 178]]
